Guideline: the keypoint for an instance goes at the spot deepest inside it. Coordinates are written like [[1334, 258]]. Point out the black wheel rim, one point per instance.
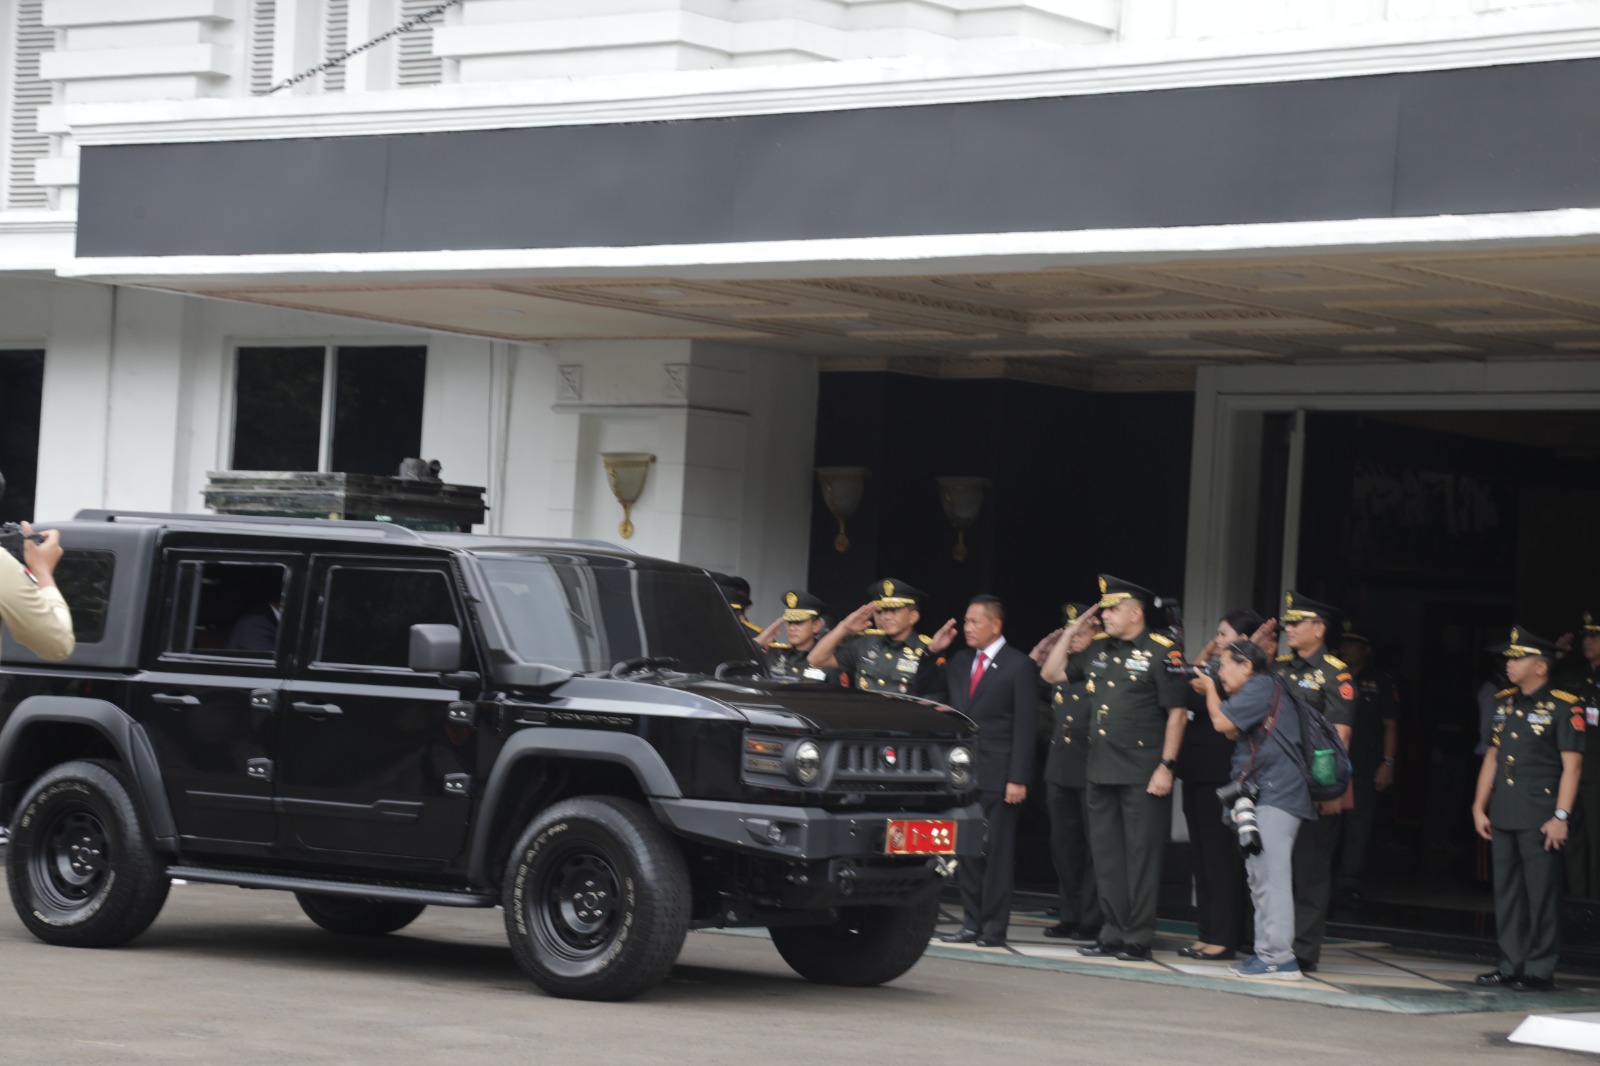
[[577, 908], [70, 866]]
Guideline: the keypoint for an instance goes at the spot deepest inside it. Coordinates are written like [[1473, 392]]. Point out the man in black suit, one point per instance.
[[997, 686]]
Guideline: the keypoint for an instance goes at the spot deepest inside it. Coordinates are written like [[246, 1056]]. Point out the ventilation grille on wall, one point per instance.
[[335, 42], [417, 63], [263, 29], [29, 93]]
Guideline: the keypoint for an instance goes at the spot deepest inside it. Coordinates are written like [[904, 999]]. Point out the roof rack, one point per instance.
[[388, 530]]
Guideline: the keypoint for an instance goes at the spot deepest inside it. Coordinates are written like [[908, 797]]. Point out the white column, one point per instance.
[[147, 424], [75, 401]]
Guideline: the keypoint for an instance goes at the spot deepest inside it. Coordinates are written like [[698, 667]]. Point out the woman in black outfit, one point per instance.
[[1204, 765]]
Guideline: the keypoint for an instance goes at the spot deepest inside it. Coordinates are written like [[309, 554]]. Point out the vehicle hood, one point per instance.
[[839, 712]]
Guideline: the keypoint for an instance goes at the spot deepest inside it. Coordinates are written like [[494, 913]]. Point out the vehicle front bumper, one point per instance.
[[805, 833]]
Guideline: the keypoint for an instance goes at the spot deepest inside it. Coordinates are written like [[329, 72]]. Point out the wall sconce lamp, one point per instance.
[[841, 491], [962, 498], [627, 471]]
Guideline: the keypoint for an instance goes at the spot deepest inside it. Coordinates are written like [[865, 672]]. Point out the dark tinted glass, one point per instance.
[[21, 384], [378, 408], [277, 411], [590, 617], [369, 614], [84, 578], [225, 608]]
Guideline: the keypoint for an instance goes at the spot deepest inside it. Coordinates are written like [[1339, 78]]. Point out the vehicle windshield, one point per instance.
[[588, 616]]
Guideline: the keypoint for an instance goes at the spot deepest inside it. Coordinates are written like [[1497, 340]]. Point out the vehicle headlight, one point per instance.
[[958, 767], [805, 763]]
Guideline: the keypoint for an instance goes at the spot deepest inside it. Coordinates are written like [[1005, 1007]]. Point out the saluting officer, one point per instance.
[[737, 591], [1580, 675], [1066, 776], [802, 622], [1526, 787], [1136, 720], [1325, 683], [891, 657]]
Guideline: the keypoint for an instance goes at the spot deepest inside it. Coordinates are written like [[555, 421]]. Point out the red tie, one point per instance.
[[977, 672]]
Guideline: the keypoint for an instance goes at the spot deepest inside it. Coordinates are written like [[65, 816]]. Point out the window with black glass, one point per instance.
[[84, 578], [368, 613], [586, 617], [352, 408], [226, 608]]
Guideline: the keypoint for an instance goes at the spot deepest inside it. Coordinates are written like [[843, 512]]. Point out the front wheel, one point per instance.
[[357, 917], [79, 870], [596, 899], [866, 946]]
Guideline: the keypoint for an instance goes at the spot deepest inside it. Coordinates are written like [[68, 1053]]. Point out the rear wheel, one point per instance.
[[358, 917], [78, 867], [866, 946], [596, 899]]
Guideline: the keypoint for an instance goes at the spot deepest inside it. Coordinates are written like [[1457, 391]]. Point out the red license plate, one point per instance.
[[920, 836]]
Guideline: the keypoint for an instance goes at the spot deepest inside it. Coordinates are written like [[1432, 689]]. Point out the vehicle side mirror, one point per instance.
[[435, 649]]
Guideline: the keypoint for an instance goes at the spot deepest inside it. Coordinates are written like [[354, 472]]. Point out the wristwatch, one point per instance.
[[1170, 764], [1561, 815], [1388, 760]]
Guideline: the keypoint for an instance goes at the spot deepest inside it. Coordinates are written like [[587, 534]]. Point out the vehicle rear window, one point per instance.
[[84, 578]]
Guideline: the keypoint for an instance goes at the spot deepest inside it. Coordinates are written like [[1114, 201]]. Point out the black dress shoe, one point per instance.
[[1134, 953], [990, 941], [1213, 956], [1086, 932], [1529, 983], [1101, 950], [960, 936], [1306, 965], [1053, 912], [1494, 979], [1061, 931]]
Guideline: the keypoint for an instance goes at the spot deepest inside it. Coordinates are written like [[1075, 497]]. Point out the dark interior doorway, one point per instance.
[[21, 385], [1435, 532]]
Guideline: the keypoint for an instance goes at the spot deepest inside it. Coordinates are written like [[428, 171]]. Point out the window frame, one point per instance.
[[207, 660], [322, 569], [229, 419]]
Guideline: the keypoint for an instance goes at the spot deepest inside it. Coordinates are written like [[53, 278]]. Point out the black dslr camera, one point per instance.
[[11, 537], [1189, 671], [1238, 799]]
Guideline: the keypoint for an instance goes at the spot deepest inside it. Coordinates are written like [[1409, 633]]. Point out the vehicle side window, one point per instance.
[[368, 613], [226, 608], [84, 578]]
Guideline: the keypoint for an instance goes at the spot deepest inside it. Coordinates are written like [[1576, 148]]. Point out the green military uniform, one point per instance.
[[1066, 772], [1529, 735], [1324, 682], [1581, 678], [877, 663], [1129, 690], [786, 661]]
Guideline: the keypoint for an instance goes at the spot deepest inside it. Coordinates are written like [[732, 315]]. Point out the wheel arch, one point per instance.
[[605, 763], [45, 730]]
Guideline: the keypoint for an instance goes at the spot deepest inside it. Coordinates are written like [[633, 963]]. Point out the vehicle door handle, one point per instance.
[[175, 701], [319, 710]]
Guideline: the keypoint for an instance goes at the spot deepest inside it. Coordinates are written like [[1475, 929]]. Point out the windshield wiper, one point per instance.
[[641, 664]]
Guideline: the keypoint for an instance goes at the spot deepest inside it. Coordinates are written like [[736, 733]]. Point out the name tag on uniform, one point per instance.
[[1592, 716]]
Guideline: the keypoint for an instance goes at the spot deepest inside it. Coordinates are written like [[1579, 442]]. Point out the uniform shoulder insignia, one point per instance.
[[1165, 642], [1335, 662], [1284, 659], [1564, 697], [1102, 636], [1505, 692], [924, 638]]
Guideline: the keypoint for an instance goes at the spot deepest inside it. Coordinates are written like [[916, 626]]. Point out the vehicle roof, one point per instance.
[[345, 530]]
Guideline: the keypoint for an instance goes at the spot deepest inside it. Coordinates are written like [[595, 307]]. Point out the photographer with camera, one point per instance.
[[1268, 798], [31, 606]]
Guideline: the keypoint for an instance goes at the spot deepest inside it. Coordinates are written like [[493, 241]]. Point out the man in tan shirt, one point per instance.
[[31, 606]]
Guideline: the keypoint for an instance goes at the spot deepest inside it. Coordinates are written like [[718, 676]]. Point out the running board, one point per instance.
[[392, 893]]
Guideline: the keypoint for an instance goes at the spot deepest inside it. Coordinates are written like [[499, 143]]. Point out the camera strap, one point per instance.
[[1268, 728]]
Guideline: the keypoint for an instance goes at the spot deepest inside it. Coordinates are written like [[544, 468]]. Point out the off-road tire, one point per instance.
[[596, 899], [80, 870], [358, 917], [867, 946]]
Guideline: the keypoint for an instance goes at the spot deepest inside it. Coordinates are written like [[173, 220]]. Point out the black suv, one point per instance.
[[378, 720]]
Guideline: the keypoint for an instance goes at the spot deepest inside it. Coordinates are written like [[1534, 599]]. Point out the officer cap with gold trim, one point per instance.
[[1113, 590], [801, 606], [1591, 622], [1298, 608], [736, 589], [1352, 633], [892, 592], [1071, 611], [1523, 644]]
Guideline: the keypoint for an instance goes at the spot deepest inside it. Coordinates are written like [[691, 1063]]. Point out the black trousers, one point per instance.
[[1219, 883], [1527, 901], [1128, 830], [1356, 834], [1313, 883], [1069, 852], [985, 880]]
